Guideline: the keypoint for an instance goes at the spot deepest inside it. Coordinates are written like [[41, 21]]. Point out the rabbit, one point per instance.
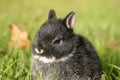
[[60, 54]]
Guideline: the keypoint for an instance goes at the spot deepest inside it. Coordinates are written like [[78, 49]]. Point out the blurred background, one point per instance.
[[98, 20]]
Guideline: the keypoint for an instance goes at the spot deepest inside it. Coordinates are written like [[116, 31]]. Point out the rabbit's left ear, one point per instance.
[[52, 14], [70, 20]]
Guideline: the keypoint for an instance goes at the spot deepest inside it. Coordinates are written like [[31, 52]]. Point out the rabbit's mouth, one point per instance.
[[51, 59]]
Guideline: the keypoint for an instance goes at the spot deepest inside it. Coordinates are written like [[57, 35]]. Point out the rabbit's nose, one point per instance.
[[39, 51]]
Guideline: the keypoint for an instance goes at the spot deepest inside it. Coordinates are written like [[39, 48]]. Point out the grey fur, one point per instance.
[[83, 65]]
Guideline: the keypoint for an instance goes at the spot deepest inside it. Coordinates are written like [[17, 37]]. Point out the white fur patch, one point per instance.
[[65, 58], [45, 59], [52, 59]]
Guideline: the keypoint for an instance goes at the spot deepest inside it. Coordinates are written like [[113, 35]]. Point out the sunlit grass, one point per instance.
[[99, 21]]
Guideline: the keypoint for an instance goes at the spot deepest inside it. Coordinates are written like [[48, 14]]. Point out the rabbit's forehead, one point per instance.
[[52, 29]]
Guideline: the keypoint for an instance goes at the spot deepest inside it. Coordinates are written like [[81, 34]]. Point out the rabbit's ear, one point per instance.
[[52, 14], [70, 20]]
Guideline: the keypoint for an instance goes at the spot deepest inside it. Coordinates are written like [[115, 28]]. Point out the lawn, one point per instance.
[[98, 20]]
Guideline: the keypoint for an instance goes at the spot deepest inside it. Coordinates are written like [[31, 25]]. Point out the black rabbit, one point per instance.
[[60, 54]]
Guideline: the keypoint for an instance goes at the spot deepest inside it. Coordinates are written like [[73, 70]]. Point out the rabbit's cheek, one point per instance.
[[65, 48]]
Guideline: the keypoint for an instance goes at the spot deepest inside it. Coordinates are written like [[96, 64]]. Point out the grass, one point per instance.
[[98, 20]]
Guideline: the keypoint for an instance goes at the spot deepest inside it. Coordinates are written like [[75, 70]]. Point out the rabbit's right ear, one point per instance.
[[52, 14], [70, 20]]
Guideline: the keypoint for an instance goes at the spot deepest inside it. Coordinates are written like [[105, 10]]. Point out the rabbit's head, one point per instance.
[[55, 37]]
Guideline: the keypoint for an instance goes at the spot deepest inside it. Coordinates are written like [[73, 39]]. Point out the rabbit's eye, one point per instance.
[[59, 41]]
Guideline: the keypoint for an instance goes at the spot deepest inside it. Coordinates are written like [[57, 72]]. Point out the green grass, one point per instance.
[[98, 20]]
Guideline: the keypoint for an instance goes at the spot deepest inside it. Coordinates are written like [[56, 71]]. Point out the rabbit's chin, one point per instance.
[[52, 59]]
